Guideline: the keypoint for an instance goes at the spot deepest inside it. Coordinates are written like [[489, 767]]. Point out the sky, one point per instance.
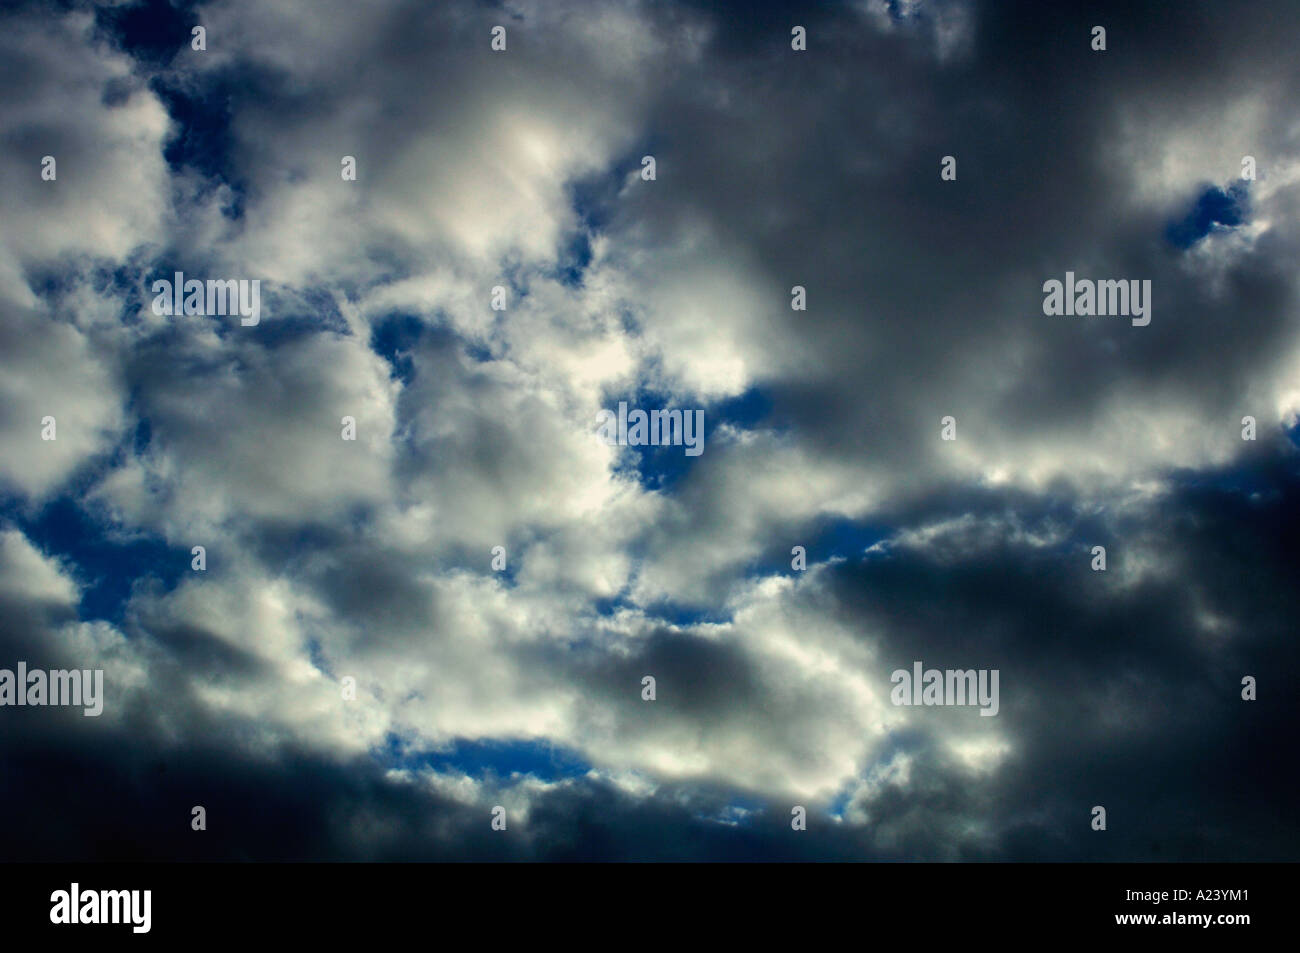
[[357, 673]]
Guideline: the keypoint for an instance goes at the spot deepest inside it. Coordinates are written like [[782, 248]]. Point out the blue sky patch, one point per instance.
[[106, 567], [1215, 209], [490, 758]]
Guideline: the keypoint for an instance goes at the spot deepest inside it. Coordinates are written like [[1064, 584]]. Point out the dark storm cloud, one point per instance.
[[1118, 692], [925, 296], [1115, 701]]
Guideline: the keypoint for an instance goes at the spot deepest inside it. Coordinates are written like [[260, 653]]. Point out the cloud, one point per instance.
[[370, 559]]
